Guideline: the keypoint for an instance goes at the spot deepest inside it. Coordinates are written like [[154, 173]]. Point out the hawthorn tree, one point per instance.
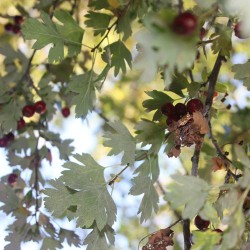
[[163, 75]]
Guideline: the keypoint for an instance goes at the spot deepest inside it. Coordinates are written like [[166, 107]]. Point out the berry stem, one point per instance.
[[180, 6]]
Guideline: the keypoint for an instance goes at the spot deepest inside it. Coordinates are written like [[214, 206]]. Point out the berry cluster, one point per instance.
[[29, 110], [187, 124], [6, 140], [160, 240], [16, 26]]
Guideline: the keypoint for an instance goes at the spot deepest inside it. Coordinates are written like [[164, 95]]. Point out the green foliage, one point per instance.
[[84, 88], [118, 56], [98, 21], [242, 73], [152, 133], [87, 191], [143, 183], [140, 42], [47, 32], [120, 140], [187, 191]]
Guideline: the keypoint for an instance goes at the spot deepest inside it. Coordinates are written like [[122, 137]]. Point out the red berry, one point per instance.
[[8, 26], [40, 107], [12, 178], [167, 109], [16, 29], [180, 110], [184, 24], [238, 31], [65, 112], [3, 142], [194, 105], [28, 110], [201, 223], [18, 19], [21, 124]]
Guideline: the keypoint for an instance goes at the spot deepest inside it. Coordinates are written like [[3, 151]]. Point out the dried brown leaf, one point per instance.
[[200, 121], [218, 164]]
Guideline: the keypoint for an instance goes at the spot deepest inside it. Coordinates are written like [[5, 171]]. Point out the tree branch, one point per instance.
[[180, 5], [196, 156]]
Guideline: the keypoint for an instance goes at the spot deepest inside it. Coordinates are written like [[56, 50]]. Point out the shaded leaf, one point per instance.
[[98, 21], [187, 191], [150, 133], [47, 32], [119, 56], [143, 183], [100, 239], [120, 140]]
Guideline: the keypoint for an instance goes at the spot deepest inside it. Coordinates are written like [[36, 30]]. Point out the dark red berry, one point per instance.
[[21, 124], [167, 109], [40, 107], [194, 105], [3, 142], [201, 223], [184, 24], [180, 110], [238, 31], [228, 106], [28, 110], [202, 33], [65, 112], [18, 19], [12, 178], [16, 29], [8, 26]]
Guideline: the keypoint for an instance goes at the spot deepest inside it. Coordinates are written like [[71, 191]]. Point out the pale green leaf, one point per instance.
[[242, 72], [88, 192], [51, 244], [160, 46], [70, 236], [46, 32], [143, 183], [100, 239], [205, 240], [120, 140], [187, 191], [9, 198], [83, 86], [59, 198]]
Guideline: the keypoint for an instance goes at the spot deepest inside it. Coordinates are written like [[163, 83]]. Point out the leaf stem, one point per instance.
[[112, 181]]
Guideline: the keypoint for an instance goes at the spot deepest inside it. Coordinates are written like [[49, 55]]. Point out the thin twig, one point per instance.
[[106, 35], [180, 5], [112, 181]]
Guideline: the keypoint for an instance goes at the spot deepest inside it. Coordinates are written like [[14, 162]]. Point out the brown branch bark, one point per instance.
[[196, 156]]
